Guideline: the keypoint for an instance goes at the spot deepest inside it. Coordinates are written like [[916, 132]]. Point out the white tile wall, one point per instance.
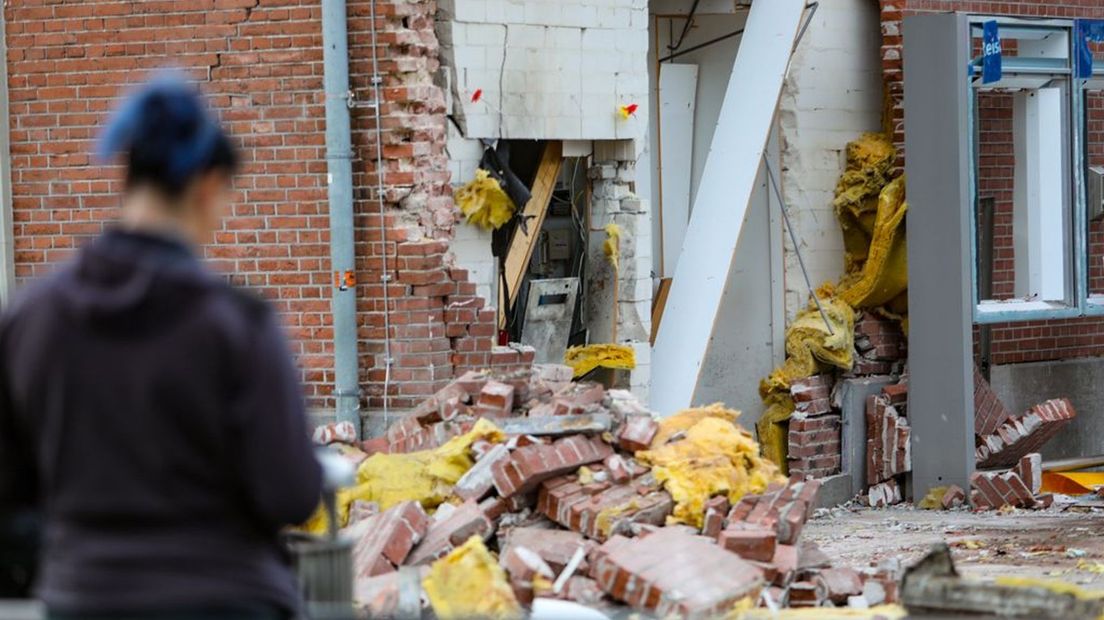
[[548, 69]]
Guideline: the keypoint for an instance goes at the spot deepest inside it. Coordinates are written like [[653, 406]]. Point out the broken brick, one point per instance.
[[523, 566], [636, 433], [527, 467], [496, 400], [807, 594], [478, 481], [453, 530], [1019, 436], [998, 489], [385, 540], [751, 542], [840, 583], [556, 547], [602, 512], [884, 494], [953, 497], [716, 509], [1030, 470], [670, 573], [583, 590]]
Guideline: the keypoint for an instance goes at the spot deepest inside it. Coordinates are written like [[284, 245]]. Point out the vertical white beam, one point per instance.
[[678, 86], [724, 192], [1038, 195]]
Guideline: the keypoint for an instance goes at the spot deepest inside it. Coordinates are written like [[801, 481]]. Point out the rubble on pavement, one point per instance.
[[525, 488]]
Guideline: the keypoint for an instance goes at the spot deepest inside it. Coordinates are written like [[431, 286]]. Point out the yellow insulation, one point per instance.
[[427, 476], [871, 210], [883, 277], [483, 201], [586, 358], [702, 452], [469, 583], [612, 245]]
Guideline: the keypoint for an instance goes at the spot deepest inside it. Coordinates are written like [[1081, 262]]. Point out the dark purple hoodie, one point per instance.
[[152, 414]]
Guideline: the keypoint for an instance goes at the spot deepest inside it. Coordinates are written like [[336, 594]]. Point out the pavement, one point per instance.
[[1062, 543]]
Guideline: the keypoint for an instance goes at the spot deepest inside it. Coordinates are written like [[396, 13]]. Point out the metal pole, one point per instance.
[[339, 165]]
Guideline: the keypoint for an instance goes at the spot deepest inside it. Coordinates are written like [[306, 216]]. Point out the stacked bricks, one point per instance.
[[671, 573], [880, 345], [1019, 436], [888, 439], [989, 411], [600, 510], [814, 432]]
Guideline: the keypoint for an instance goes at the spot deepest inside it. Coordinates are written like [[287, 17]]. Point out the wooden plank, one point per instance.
[[724, 192], [522, 245], [658, 304]]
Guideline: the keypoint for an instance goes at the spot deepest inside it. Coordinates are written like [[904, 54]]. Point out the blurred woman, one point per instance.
[[149, 412]]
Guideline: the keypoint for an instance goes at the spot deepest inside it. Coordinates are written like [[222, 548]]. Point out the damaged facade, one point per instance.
[[523, 192]]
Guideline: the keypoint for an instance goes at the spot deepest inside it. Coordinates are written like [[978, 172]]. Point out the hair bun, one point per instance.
[[167, 135]]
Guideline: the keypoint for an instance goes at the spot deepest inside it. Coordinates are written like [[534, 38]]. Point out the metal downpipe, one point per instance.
[[339, 165]]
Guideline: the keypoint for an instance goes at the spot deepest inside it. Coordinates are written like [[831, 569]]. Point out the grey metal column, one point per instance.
[[937, 162], [339, 154], [7, 241]]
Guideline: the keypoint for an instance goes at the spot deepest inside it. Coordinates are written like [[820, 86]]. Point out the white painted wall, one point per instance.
[[471, 245], [833, 93], [548, 69]]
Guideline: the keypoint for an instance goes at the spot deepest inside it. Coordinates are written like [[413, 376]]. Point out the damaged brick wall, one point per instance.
[[1011, 342], [261, 63]]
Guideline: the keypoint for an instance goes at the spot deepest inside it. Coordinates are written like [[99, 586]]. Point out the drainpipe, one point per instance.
[[339, 166], [7, 243]]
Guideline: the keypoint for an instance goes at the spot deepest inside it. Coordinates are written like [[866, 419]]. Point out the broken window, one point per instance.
[[1022, 142]]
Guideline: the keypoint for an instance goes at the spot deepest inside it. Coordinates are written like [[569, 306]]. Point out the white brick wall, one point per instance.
[[548, 69], [832, 94]]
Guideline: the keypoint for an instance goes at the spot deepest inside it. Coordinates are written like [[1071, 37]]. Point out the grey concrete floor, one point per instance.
[[1063, 543]]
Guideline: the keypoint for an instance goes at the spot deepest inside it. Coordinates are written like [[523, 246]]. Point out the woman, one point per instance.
[[148, 411]]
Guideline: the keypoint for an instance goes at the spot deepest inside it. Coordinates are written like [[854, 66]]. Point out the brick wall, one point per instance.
[[261, 63], [1012, 342]]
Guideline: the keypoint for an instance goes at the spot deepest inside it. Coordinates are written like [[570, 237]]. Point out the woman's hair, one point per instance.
[[166, 136]]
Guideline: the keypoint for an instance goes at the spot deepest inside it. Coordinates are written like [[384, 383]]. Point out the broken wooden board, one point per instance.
[[533, 214]]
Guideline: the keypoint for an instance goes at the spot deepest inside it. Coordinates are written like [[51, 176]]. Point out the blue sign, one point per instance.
[[990, 52], [1084, 31]]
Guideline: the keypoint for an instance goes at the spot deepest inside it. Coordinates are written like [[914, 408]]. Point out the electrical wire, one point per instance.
[[386, 277]]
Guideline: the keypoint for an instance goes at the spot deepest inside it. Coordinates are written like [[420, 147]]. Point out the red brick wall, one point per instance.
[[261, 63], [1014, 342]]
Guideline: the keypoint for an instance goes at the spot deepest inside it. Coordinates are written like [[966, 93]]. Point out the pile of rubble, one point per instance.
[[578, 493], [1009, 466]]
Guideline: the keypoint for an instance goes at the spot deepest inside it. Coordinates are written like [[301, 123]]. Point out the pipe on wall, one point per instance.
[[7, 242], [339, 166]]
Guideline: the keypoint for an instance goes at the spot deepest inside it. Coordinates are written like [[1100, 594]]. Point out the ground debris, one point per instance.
[[933, 585]]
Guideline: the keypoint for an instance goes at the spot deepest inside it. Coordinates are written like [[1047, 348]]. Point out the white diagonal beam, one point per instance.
[[724, 192]]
